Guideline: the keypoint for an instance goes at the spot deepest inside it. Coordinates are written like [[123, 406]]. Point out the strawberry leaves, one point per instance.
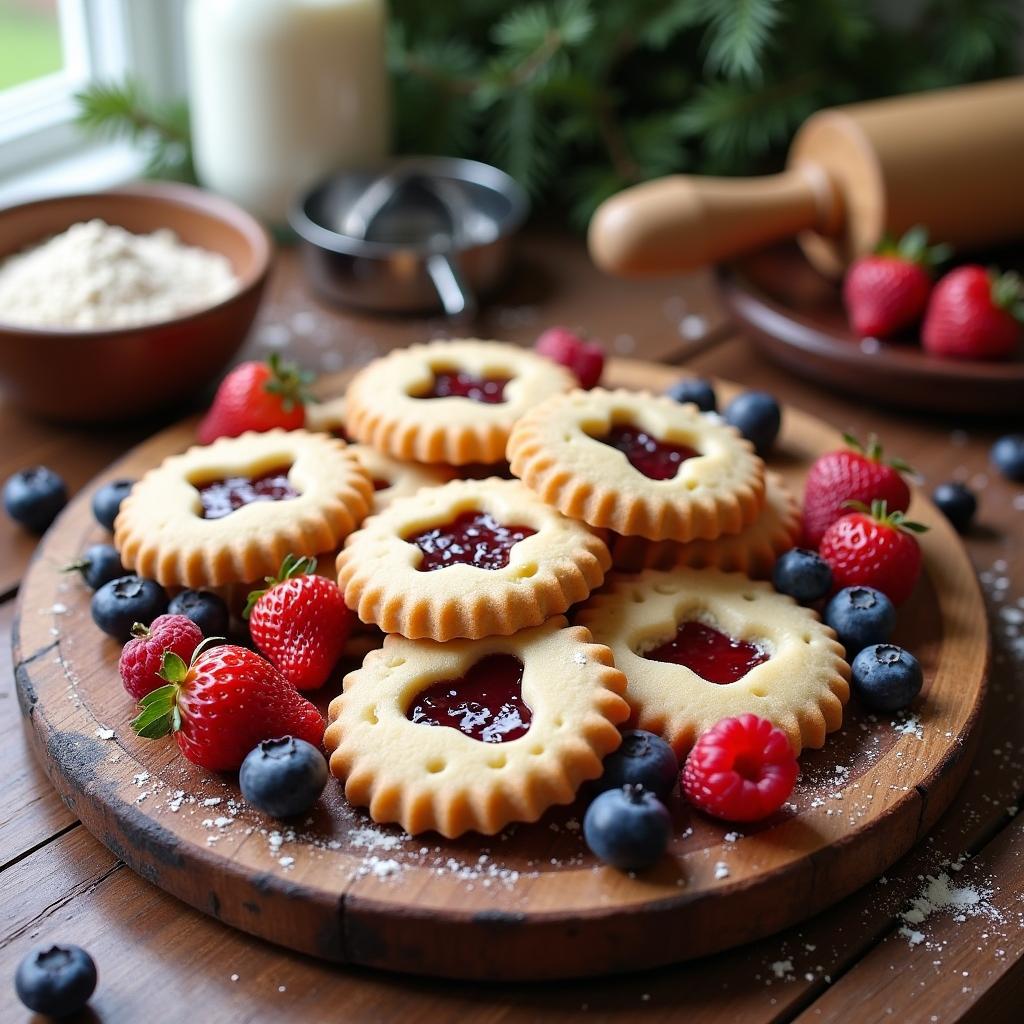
[[288, 381], [159, 714], [913, 247], [878, 510], [873, 451], [292, 567]]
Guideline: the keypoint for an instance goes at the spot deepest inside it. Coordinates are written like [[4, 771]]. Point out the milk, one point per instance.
[[284, 91]]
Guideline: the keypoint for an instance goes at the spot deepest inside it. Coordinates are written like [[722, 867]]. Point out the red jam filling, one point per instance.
[[472, 538], [222, 497], [712, 655], [488, 390], [486, 703], [381, 485], [656, 459]]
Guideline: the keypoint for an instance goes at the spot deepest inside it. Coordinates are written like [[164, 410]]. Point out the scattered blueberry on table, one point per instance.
[[56, 980], [757, 416], [628, 828], [886, 677], [642, 759], [207, 610], [1008, 456], [99, 564], [119, 604], [106, 502], [957, 503], [860, 616], [33, 497], [283, 777], [802, 574], [695, 390]]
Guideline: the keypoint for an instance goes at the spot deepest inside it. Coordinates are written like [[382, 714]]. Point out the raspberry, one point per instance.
[[741, 769], [584, 358], [142, 657]]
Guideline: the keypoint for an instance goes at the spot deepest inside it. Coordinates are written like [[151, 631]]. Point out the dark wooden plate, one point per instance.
[[796, 317]]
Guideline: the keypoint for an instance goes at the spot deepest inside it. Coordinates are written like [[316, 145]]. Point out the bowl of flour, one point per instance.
[[119, 303]]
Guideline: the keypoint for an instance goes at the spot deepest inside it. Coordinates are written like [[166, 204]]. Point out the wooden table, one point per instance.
[[161, 961]]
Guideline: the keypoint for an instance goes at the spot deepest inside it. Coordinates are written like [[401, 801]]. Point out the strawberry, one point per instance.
[[874, 548], [584, 358], [300, 622], [974, 314], [223, 704], [889, 289], [143, 655], [257, 396], [855, 474]]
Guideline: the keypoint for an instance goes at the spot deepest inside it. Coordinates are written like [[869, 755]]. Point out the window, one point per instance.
[[49, 49]]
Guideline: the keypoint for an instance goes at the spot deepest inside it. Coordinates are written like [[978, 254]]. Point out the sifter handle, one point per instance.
[[680, 223]]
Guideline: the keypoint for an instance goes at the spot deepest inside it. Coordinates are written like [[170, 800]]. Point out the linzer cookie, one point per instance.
[[638, 464], [229, 512], [393, 479], [327, 417], [449, 401], [752, 551], [474, 734], [699, 645], [472, 558]]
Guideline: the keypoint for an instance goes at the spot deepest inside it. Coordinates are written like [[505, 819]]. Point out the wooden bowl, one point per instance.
[[796, 317], [117, 373]]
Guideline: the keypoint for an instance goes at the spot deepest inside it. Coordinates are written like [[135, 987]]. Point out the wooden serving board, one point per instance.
[[796, 316], [531, 903]]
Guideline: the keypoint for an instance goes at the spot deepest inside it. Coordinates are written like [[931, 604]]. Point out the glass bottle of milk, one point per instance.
[[284, 91]]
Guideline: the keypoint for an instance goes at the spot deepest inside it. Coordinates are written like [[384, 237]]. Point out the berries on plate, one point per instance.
[[957, 503], [886, 677], [143, 656], [695, 390], [856, 473], [888, 290], [1007, 456], [300, 622], [741, 769], [257, 396], [874, 548], [756, 415], [119, 604], [804, 575], [33, 497], [106, 502], [56, 980], [642, 759], [974, 314], [584, 358], [628, 827], [207, 610], [223, 704], [860, 616], [99, 564], [283, 777]]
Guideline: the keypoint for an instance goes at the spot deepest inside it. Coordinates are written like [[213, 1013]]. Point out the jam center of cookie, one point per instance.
[[711, 654], [222, 497], [486, 703], [658, 460], [472, 538], [458, 384]]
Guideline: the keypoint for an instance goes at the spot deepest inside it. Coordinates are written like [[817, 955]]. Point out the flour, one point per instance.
[[95, 275]]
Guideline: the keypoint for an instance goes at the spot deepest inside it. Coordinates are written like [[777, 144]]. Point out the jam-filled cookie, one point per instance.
[[472, 558], [393, 479], [752, 551], [449, 401], [474, 734], [638, 464], [327, 417], [230, 511], [699, 645]]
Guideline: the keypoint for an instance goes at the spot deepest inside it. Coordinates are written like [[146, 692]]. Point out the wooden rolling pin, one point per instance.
[[952, 160]]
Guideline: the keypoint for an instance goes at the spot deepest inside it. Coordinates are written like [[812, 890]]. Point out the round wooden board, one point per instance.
[[797, 318], [530, 903]]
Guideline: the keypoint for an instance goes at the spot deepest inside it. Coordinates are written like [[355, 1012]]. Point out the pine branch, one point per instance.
[[739, 34]]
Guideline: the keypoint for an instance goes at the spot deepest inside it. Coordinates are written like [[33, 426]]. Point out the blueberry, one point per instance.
[[802, 574], [957, 503], [206, 610], [756, 415], [643, 759], [886, 677], [34, 496], [99, 564], [628, 828], [56, 980], [696, 390], [106, 502], [283, 777], [119, 604], [1008, 456], [860, 616]]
